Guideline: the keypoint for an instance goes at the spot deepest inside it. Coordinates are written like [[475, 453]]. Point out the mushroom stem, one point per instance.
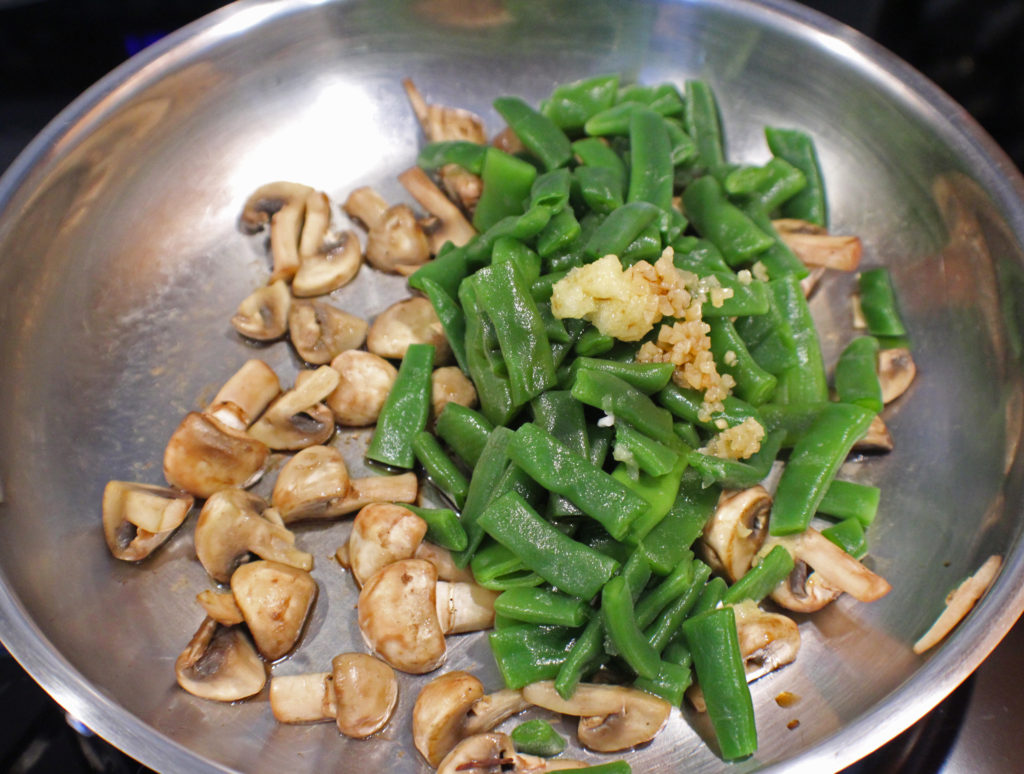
[[289, 422], [245, 395], [453, 226], [317, 221], [305, 698], [464, 607]]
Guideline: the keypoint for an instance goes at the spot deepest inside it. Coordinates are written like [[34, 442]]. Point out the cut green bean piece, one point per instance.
[[621, 626], [617, 231], [659, 492], [618, 397], [669, 590], [703, 123], [526, 654], [723, 223], [733, 474], [593, 152], [508, 248], [585, 655], [650, 167], [571, 104], [493, 390], [804, 382], [797, 148], [538, 133], [600, 187], [464, 430], [537, 737], [849, 536], [637, 450], [856, 375], [489, 470], [542, 606], [813, 464], [649, 378], [878, 303], [753, 384], [452, 319], [850, 500], [443, 527], [405, 411], [668, 543], [506, 186], [760, 579], [439, 467], [498, 569], [666, 625], [688, 404], [714, 643], [561, 233], [563, 562], [468, 155], [670, 683]]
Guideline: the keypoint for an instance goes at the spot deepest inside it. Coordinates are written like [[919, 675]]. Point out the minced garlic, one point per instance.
[[738, 442]]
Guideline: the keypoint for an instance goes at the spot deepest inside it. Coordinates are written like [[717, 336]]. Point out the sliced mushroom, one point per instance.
[[821, 572], [204, 455], [298, 419], [397, 242], [508, 141], [767, 640], [876, 439], [364, 384], [275, 601], [810, 283], [383, 533], [451, 225], [896, 371], [220, 606], [816, 247], [365, 206], [268, 199], [612, 717], [245, 395], [320, 331], [315, 484], [221, 664], [481, 754], [139, 518], [959, 603], [404, 612], [444, 123], [462, 186], [329, 269], [366, 692], [263, 315], [410, 321], [452, 707], [231, 526], [315, 224], [736, 531], [449, 385]]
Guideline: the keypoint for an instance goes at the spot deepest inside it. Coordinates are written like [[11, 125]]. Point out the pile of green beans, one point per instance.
[[580, 485]]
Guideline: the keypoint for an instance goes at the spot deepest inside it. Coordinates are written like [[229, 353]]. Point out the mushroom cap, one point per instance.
[[275, 601], [220, 606], [230, 527], [736, 531], [365, 206], [876, 439], [896, 371], [330, 269], [397, 241], [268, 199], [382, 533], [767, 640], [612, 717], [398, 619], [298, 419], [263, 314], [364, 384], [366, 692], [440, 711], [449, 385], [319, 331], [221, 664], [410, 321], [311, 484], [138, 518], [480, 754], [204, 455]]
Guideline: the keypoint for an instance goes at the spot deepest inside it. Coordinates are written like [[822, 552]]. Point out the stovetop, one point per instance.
[[971, 48]]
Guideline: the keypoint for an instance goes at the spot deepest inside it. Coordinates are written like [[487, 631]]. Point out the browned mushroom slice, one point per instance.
[[810, 283], [220, 606], [365, 206], [444, 123], [410, 321], [221, 664], [204, 455], [329, 269], [311, 484], [452, 707], [263, 315], [876, 439], [449, 385], [359, 694], [365, 380], [736, 531], [268, 199], [822, 571], [245, 395], [959, 603], [138, 518], [507, 140], [480, 754], [896, 372], [397, 241], [275, 601], [816, 247], [298, 419], [319, 331], [231, 527], [462, 186], [768, 641], [451, 225], [612, 717], [315, 224]]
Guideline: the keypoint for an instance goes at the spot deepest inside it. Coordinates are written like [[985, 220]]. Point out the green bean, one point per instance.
[[593, 342], [778, 260], [687, 404], [498, 569], [733, 474], [666, 625], [488, 471], [571, 104], [636, 449], [542, 606], [538, 133], [452, 319], [723, 223], [646, 246], [663, 98], [849, 536], [561, 232], [747, 298], [447, 270], [616, 396], [593, 152], [557, 558], [856, 375], [670, 683], [813, 464], [507, 248], [683, 148], [541, 288], [443, 527], [405, 411], [617, 231], [493, 390], [674, 586], [753, 384], [506, 185], [667, 544], [551, 189], [797, 148], [468, 155], [562, 416], [850, 500], [650, 160], [658, 491], [464, 430], [600, 187], [793, 420], [585, 654], [714, 643], [804, 382], [649, 378], [537, 737], [760, 579], [878, 303], [769, 337], [687, 433], [703, 124], [440, 468], [621, 626], [526, 654]]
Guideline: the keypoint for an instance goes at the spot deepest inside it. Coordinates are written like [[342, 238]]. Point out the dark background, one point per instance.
[[51, 50]]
